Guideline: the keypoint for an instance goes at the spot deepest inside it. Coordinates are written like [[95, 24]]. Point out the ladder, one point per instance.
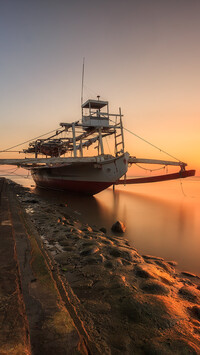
[[119, 135]]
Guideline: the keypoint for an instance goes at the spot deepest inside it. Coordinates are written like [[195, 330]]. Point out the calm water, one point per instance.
[[162, 219]]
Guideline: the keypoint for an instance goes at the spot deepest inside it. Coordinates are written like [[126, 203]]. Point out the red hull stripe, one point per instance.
[[180, 175], [85, 187]]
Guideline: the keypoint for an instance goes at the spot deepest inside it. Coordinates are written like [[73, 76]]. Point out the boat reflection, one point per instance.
[[87, 208]]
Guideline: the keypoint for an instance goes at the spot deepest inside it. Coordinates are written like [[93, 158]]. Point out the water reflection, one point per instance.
[[159, 226]]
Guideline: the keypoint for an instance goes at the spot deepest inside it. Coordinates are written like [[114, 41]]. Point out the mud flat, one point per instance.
[[124, 302]]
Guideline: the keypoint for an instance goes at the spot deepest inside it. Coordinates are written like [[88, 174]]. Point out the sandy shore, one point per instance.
[[127, 303]]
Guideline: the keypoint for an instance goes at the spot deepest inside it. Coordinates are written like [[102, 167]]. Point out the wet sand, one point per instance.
[[127, 303]]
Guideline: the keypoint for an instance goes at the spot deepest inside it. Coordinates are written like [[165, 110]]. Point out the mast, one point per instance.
[[83, 69]]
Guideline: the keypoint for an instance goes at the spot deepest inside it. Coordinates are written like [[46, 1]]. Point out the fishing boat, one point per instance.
[[58, 161]]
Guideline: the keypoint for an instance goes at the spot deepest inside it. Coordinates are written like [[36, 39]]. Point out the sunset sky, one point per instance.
[[143, 56]]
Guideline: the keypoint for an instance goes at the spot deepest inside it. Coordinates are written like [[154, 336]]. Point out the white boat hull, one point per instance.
[[85, 177]]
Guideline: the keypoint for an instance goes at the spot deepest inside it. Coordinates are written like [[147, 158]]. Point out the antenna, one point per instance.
[[82, 80]]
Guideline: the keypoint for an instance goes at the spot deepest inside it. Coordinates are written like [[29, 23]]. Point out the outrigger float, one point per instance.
[[63, 166]]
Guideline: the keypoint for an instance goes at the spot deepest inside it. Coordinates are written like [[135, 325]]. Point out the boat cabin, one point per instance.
[[92, 116]]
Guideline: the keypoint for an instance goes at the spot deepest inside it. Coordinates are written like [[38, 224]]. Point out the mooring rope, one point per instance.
[[182, 190]]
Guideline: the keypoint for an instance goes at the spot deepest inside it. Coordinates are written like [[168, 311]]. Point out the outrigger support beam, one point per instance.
[[141, 180], [134, 160]]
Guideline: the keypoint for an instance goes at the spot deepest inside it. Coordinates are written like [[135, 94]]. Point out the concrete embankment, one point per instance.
[[85, 291], [34, 316]]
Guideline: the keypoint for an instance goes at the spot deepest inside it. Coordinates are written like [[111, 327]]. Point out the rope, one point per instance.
[[9, 172], [90, 92], [144, 140], [12, 151], [181, 184], [141, 167], [17, 145]]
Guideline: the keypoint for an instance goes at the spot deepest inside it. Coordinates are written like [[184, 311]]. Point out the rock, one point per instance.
[[126, 262], [89, 251], [186, 273], [195, 312], [89, 243], [151, 257], [141, 272], [187, 282], [172, 263], [116, 281], [115, 252], [120, 253], [103, 230], [106, 241], [87, 229], [165, 266], [118, 227], [155, 287], [188, 293]]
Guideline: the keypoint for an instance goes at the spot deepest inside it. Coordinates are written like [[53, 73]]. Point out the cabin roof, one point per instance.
[[94, 104]]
